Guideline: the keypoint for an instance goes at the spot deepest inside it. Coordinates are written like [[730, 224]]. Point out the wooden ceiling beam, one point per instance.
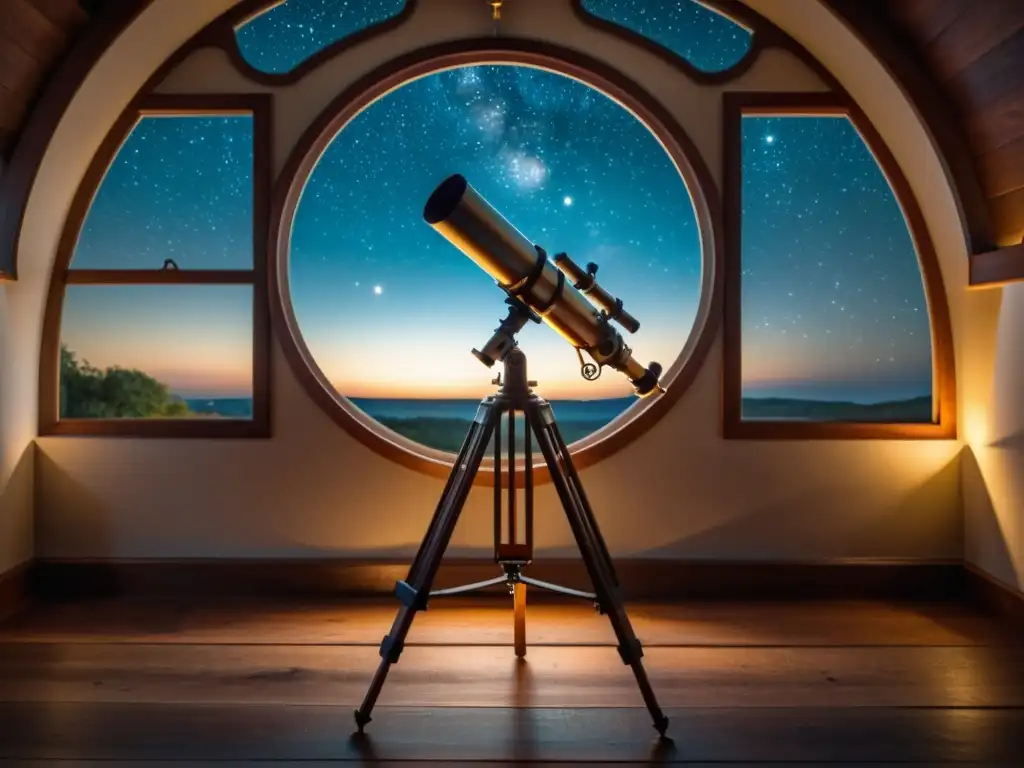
[[998, 268]]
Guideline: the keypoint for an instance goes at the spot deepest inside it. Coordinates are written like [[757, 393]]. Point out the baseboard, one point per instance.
[[996, 596], [14, 590], [640, 579]]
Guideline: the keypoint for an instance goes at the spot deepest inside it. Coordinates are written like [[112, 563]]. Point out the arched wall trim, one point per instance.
[[409, 66], [260, 107], [737, 104], [17, 179]]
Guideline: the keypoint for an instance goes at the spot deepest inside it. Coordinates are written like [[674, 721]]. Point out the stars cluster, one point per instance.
[[831, 287], [278, 40], [179, 188]]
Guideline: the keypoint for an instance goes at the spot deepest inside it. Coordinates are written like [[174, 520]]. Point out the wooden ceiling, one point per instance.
[[33, 36], [973, 50]]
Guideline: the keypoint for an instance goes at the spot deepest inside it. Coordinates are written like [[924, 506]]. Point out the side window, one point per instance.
[[706, 39], [285, 35], [835, 323]]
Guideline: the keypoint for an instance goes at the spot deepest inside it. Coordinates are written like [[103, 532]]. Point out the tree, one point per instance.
[[87, 392]]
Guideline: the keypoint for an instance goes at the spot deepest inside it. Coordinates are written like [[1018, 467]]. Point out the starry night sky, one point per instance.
[[567, 166], [833, 298], [832, 295]]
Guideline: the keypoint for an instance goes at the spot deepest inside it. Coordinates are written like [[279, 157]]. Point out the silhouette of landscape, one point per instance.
[[913, 410], [442, 424]]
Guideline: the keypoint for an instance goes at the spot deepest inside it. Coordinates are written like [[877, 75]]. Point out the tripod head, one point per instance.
[[504, 339]]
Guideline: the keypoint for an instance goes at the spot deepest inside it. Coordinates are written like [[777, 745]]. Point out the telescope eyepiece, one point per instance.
[[648, 383]]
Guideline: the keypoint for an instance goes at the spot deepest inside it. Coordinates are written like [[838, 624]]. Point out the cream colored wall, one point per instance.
[[16, 457], [678, 491], [993, 463]]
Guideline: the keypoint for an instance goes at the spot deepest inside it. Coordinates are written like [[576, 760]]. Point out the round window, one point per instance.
[[386, 311]]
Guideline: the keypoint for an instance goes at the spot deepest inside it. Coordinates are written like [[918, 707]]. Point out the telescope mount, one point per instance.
[[514, 396]]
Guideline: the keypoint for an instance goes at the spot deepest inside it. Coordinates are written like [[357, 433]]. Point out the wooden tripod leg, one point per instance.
[[519, 618]]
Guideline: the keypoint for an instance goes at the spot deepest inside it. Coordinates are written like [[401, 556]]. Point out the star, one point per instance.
[[769, 139], [378, 290], [567, 201]]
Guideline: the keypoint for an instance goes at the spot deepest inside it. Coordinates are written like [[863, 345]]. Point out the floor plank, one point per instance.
[[58, 731], [445, 764], [473, 622], [489, 676]]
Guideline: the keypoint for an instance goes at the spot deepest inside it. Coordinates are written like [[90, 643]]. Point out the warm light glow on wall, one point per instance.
[[976, 424]]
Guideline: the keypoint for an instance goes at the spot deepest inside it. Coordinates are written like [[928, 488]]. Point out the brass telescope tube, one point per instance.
[[467, 221]]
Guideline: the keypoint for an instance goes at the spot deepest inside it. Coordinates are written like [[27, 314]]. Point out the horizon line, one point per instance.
[[580, 400]]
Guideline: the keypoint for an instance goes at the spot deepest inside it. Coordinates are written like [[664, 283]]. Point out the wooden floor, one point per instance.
[[120, 683]]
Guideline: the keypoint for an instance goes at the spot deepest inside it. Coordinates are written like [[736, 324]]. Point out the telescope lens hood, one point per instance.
[[445, 199]]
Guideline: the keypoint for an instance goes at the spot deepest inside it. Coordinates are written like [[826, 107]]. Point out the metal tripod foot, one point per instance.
[[361, 720]]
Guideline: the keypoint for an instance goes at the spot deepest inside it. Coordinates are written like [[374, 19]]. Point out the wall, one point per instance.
[[993, 465], [679, 491], [16, 455]]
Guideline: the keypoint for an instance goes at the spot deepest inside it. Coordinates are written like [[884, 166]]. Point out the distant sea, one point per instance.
[[442, 424]]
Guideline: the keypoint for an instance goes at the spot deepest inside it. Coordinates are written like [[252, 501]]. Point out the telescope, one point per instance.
[[555, 291], [536, 290]]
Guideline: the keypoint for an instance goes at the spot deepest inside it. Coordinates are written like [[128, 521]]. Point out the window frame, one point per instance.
[[736, 105], [695, 173], [260, 107]]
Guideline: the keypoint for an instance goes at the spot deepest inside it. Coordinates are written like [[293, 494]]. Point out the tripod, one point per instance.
[[514, 396]]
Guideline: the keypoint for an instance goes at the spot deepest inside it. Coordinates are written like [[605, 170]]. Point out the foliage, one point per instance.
[[87, 392]]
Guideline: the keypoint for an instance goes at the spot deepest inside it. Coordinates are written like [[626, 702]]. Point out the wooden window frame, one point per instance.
[[259, 106], [736, 105]]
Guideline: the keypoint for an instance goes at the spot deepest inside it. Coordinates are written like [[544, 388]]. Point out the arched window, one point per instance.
[[279, 39], [705, 39], [829, 332], [388, 311], [158, 323]]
